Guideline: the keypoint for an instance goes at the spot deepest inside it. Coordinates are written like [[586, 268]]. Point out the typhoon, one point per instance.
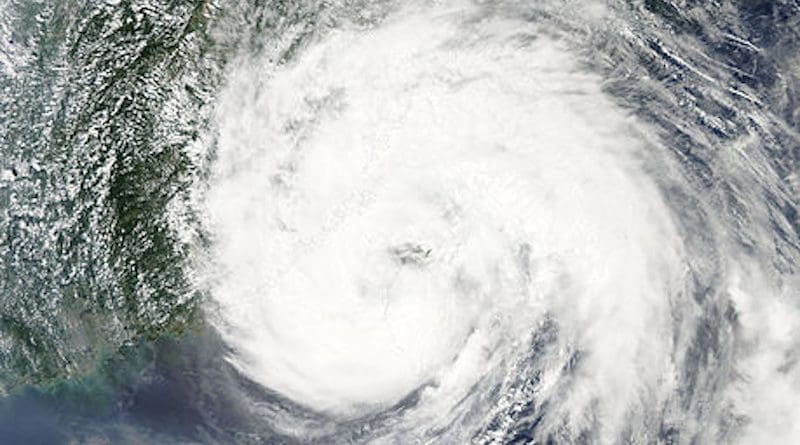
[[419, 222]]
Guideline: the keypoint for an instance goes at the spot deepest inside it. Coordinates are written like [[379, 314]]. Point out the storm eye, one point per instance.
[[411, 254]]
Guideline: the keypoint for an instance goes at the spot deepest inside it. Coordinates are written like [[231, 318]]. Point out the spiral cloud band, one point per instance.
[[413, 216]]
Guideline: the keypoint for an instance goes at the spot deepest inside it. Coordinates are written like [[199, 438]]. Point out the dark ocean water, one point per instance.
[[110, 129]]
